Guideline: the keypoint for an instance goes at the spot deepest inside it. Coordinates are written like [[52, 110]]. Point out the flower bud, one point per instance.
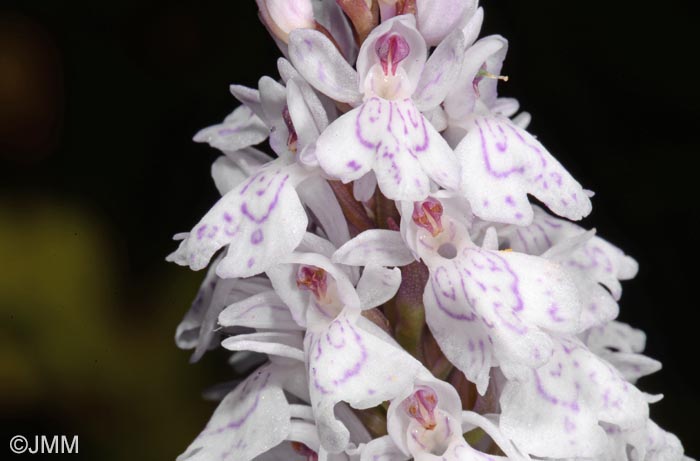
[[284, 16]]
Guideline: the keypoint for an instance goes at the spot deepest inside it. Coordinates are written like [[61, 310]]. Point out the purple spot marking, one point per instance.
[[200, 232], [256, 237]]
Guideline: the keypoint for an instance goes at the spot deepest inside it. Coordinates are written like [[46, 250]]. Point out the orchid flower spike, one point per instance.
[[376, 270]]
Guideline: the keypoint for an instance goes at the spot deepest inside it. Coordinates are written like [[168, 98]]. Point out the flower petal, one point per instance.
[[440, 72], [242, 128], [285, 345], [339, 150], [394, 139], [487, 308], [302, 118], [377, 285], [472, 27], [250, 97], [318, 60], [621, 345], [590, 260], [364, 187], [382, 449], [316, 194], [488, 52], [187, 332], [348, 364], [248, 220], [226, 174], [331, 16], [251, 419], [556, 412], [502, 163], [375, 246], [198, 329], [437, 18], [264, 310]]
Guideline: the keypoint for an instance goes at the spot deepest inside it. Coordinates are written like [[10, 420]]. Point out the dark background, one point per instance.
[[99, 101]]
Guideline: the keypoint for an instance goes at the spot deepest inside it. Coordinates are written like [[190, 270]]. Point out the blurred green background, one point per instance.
[[99, 101]]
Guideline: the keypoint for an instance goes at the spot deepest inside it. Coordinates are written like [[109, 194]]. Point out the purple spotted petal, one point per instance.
[[661, 445], [487, 308], [393, 139], [502, 163], [594, 263], [248, 219], [346, 363], [557, 411], [249, 421]]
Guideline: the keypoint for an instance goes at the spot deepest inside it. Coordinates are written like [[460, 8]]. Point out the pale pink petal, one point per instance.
[[277, 344], [382, 449], [502, 163], [363, 188], [251, 419], [316, 194], [242, 128], [321, 64], [377, 285], [248, 220], [440, 72], [261, 311], [375, 246], [348, 364], [472, 27], [557, 411], [393, 139], [437, 18], [249, 97], [488, 308], [461, 102]]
